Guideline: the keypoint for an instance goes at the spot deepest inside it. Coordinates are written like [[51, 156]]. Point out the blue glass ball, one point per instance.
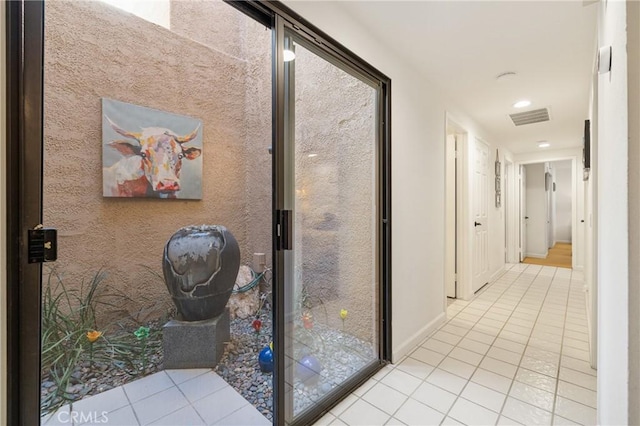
[[308, 368], [265, 360]]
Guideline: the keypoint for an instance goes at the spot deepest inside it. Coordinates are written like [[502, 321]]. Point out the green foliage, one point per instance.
[[68, 314]]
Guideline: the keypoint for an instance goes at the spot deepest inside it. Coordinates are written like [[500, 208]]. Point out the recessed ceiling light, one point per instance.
[[544, 144], [521, 104], [313, 155]]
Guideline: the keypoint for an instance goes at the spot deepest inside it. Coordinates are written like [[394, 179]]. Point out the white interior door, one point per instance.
[[523, 212], [480, 215], [450, 217]]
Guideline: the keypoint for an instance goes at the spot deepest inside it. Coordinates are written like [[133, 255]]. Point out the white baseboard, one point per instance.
[[564, 241], [593, 353], [537, 255], [404, 348]]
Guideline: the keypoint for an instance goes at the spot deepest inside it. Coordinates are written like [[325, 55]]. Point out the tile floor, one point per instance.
[[516, 354], [170, 398]]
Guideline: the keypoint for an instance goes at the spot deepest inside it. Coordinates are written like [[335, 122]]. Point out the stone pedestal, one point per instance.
[[195, 344]]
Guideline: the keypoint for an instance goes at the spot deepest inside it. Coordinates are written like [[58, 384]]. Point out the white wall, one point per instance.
[[562, 179], [511, 209], [612, 232], [590, 225], [536, 211], [633, 52], [418, 142], [497, 234]]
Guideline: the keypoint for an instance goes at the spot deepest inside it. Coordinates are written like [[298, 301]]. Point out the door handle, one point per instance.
[[42, 244], [526, 217], [477, 224], [284, 231]]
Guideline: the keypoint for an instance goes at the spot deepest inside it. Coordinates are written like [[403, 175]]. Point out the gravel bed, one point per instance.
[[339, 356], [239, 364]]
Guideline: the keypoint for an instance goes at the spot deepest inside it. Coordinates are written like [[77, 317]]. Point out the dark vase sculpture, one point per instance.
[[200, 267]]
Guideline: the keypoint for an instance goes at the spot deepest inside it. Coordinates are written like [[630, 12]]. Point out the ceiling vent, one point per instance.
[[530, 117]]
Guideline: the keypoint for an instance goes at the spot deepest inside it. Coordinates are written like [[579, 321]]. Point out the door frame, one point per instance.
[[463, 250], [522, 207], [24, 60], [452, 194], [25, 31]]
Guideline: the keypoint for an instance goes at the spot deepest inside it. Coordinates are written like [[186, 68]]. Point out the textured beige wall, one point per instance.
[[211, 23], [93, 50], [221, 74], [249, 41], [335, 190]]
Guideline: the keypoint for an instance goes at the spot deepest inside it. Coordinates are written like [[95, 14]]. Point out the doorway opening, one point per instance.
[[547, 200]]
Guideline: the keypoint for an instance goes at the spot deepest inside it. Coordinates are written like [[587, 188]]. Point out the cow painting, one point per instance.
[[149, 161]]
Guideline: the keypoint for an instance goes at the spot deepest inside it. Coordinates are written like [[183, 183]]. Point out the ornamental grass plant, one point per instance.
[[76, 331]]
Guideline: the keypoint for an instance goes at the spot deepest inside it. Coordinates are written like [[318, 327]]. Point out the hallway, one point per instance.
[[518, 350]]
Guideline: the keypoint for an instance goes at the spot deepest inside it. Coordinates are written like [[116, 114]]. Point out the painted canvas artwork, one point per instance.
[[150, 153]]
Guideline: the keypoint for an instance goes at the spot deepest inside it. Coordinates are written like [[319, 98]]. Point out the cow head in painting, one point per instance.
[[160, 152]]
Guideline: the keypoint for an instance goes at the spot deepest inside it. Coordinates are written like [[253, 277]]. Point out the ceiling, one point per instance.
[[462, 46]]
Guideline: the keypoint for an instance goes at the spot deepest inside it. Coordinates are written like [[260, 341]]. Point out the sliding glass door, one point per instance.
[[331, 187], [330, 193]]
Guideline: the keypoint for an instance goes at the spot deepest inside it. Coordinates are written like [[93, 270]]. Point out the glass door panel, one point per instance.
[[157, 120], [331, 285]]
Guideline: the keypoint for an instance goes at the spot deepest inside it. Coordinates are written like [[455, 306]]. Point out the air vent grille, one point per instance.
[[530, 117]]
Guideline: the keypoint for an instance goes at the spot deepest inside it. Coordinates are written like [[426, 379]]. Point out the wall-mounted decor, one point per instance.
[[498, 184], [150, 153], [586, 150]]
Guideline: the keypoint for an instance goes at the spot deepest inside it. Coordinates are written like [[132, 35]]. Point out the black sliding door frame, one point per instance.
[[322, 45], [25, 51], [25, 25]]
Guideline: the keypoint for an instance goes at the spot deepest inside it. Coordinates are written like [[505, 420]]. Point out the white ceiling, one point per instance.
[[461, 46]]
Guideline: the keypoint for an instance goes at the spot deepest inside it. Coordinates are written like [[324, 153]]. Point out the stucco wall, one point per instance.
[[249, 41], [335, 186], [334, 119], [93, 50]]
